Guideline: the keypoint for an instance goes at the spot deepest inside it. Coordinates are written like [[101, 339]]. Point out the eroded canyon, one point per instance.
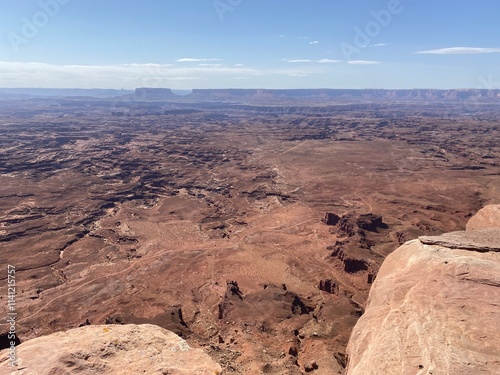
[[252, 230]]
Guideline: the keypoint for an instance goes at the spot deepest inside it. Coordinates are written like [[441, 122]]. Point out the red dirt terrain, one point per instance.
[[253, 231]]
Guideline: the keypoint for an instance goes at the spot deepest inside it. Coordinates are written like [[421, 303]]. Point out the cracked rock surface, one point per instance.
[[478, 240], [116, 349], [434, 307]]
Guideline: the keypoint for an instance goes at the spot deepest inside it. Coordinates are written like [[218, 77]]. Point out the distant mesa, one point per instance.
[[47, 92], [259, 96], [315, 95], [153, 93], [182, 92]]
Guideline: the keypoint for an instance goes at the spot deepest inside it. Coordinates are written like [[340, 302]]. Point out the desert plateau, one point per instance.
[[250, 223]]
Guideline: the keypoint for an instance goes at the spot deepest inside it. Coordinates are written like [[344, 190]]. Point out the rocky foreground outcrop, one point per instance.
[[435, 306], [487, 218], [110, 349]]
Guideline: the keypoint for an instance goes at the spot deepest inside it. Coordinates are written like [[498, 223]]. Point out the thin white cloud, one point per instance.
[[299, 61], [184, 78], [459, 51], [188, 59], [379, 45], [142, 65], [238, 64], [322, 61], [214, 65], [326, 61], [297, 75], [314, 42], [31, 74], [363, 62]]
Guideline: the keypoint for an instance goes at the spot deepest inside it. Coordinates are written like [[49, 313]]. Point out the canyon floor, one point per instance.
[[211, 220]]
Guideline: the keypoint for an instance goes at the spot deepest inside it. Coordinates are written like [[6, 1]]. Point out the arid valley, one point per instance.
[[252, 223]]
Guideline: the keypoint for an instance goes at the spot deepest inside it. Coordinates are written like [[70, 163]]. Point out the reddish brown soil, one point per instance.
[[210, 223]]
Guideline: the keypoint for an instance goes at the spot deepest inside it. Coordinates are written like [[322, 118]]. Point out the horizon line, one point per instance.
[[241, 88]]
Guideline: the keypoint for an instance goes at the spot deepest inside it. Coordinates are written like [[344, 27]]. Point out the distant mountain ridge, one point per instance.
[[27, 92], [320, 95], [266, 95]]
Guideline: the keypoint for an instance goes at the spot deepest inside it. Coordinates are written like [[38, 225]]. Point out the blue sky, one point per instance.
[[186, 44]]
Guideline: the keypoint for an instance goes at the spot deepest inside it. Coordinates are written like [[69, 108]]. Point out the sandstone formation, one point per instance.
[[488, 217], [116, 349], [331, 218], [478, 240], [433, 308]]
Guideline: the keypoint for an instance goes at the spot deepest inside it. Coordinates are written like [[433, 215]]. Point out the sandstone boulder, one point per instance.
[[487, 217], [434, 307], [110, 349]]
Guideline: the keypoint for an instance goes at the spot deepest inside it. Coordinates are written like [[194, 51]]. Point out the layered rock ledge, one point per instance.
[[435, 306], [109, 349]]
